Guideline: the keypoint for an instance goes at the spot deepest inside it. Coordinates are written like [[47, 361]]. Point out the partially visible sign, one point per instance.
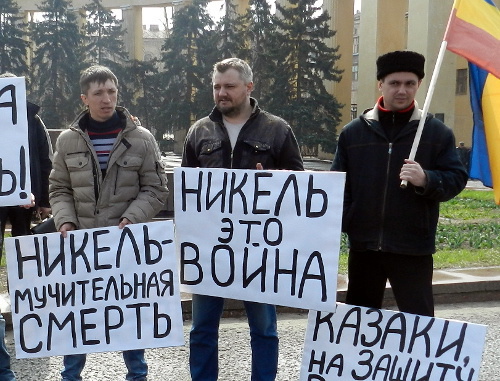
[[15, 182], [358, 343]]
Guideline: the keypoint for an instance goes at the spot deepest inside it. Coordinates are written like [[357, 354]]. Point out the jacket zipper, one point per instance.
[[95, 175], [96, 181], [94, 167], [382, 216]]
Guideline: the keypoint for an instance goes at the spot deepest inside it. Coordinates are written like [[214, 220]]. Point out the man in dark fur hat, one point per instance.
[[391, 229]]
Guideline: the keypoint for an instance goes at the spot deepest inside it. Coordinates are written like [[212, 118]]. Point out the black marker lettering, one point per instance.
[[12, 104], [292, 179], [196, 191], [108, 326], [311, 192], [230, 255], [320, 276], [22, 333], [163, 317], [193, 262]]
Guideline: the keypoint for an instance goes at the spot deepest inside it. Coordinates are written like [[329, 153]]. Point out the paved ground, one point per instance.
[[471, 295], [171, 364]]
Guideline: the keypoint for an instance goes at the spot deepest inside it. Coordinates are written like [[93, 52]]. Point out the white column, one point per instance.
[[132, 22], [382, 29], [427, 19], [342, 21]]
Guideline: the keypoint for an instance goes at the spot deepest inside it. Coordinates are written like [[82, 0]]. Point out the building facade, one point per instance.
[[418, 25], [381, 26]]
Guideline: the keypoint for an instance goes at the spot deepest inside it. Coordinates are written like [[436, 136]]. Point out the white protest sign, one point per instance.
[[104, 289], [358, 343], [263, 236], [15, 181]]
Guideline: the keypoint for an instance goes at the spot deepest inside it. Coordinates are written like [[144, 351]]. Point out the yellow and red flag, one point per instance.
[[474, 33]]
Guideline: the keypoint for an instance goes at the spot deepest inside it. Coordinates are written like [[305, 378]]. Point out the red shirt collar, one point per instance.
[[380, 102]]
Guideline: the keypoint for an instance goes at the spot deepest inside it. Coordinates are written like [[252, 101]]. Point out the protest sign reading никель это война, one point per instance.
[[262, 236]]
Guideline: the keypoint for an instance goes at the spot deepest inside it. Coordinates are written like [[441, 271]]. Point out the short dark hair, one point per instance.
[[238, 64], [96, 73]]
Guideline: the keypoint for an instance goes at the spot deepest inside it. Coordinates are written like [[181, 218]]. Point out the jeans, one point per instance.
[[134, 360], [203, 356], [6, 373]]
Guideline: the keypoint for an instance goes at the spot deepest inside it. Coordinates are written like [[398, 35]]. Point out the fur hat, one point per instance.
[[400, 60]]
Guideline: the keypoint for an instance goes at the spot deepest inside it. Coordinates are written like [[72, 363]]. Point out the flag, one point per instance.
[[473, 32], [485, 103]]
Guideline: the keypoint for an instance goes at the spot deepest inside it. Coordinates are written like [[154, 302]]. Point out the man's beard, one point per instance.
[[230, 111]]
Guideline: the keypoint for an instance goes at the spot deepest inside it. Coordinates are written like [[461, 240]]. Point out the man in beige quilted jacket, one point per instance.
[[107, 171]]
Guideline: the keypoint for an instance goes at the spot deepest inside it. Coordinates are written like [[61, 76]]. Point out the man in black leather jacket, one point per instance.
[[237, 134], [392, 230]]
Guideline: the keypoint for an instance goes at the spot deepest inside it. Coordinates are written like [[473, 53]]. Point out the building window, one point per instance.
[[355, 47], [461, 87], [354, 111], [355, 73], [439, 116]]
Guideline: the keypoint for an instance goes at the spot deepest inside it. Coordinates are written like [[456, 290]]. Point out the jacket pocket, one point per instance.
[[77, 162], [258, 146], [130, 162], [80, 170], [127, 175], [255, 152], [211, 146]]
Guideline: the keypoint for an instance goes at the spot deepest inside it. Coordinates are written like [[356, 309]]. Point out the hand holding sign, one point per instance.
[[30, 205]]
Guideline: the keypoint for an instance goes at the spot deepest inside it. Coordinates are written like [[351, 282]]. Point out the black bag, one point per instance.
[[46, 226]]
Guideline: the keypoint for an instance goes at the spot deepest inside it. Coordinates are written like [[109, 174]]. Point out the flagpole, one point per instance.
[[427, 102]]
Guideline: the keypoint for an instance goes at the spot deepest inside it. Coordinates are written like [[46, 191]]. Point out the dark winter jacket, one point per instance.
[[378, 213], [265, 139], [40, 149]]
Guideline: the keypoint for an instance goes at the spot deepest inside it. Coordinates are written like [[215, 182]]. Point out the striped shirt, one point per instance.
[[103, 136]]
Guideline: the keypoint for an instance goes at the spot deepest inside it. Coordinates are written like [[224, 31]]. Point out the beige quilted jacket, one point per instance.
[[135, 185]]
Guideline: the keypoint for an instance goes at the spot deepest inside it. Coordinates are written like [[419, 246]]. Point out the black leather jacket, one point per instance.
[[265, 139], [378, 213]]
